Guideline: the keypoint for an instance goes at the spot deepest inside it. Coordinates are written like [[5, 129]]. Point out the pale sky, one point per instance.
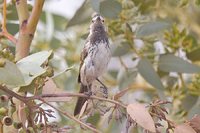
[[65, 8]]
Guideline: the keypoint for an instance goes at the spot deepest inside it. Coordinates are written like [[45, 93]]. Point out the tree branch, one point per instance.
[[22, 11], [13, 94], [35, 15], [27, 26], [41, 98], [27, 99], [67, 94]]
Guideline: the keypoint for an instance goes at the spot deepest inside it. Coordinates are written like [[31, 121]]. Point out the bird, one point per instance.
[[94, 59]]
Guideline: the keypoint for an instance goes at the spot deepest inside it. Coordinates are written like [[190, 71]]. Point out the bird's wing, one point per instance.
[[84, 54]]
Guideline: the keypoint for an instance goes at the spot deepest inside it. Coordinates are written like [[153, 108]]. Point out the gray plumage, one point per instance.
[[95, 57]]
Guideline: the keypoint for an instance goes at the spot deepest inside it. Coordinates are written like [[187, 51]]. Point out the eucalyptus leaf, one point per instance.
[[59, 22], [194, 55], [11, 75], [125, 78], [55, 43], [110, 8], [11, 12], [30, 66], [195, 109], [147, 71], [30, 71], [12, 28], [120, 50], [152, 27], [197, 2], [189, 101], [172, 63], [95, 4], [82, 15], [37, 58]]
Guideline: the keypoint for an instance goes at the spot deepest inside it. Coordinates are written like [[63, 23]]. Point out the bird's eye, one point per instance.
[[102, 21], [92, 21]]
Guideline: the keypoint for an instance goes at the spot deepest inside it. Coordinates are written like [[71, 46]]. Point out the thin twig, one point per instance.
[[4, 17], [67, 94], [41, 98], [8, 36], [13, 94], [71, 117], [3, 27]]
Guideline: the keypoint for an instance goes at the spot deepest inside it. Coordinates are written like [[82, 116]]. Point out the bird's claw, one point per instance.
[[88, 93], [105, 92]]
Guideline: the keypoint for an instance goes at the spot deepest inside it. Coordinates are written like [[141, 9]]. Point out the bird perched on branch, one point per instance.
[[95, 57]]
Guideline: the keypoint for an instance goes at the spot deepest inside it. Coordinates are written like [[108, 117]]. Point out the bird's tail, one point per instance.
[[81, 100]]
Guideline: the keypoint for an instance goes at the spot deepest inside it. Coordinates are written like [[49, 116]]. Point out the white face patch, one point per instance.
[[95, 18]]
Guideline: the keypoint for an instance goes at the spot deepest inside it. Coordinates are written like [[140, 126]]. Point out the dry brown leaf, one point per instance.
[[141, 116], [51, 88], [22, 113], [83, 109], [121, 93], [195, 123], [184, 128]]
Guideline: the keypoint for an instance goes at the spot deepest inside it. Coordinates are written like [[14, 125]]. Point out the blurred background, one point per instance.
[[137, 29]]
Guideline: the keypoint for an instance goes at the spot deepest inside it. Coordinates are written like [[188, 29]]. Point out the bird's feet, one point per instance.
[[88, 93], [104, 91]]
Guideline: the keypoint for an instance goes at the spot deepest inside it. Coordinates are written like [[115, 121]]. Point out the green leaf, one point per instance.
[[43, 17], [120, 50], [59, 22], [12, 28], [55, 43], [151, 28], [37, 58], [30, 66], [195, 109], [95, 5], [183, 3], [30, 71], [194, 55], [94, 119], [197, 2], [125, 78], [11, 12], [189, 101], [110, 8], [171, 63], [11, 75], [147, 71], [82, 15]]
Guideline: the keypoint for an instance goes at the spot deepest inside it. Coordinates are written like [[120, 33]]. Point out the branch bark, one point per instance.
[[66, 94], [27, 26], [27, 99]]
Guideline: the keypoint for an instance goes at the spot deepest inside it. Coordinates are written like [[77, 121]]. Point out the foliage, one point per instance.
[[156, 54]]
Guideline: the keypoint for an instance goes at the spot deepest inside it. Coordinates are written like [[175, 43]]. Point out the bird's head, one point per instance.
[[97, 24]]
